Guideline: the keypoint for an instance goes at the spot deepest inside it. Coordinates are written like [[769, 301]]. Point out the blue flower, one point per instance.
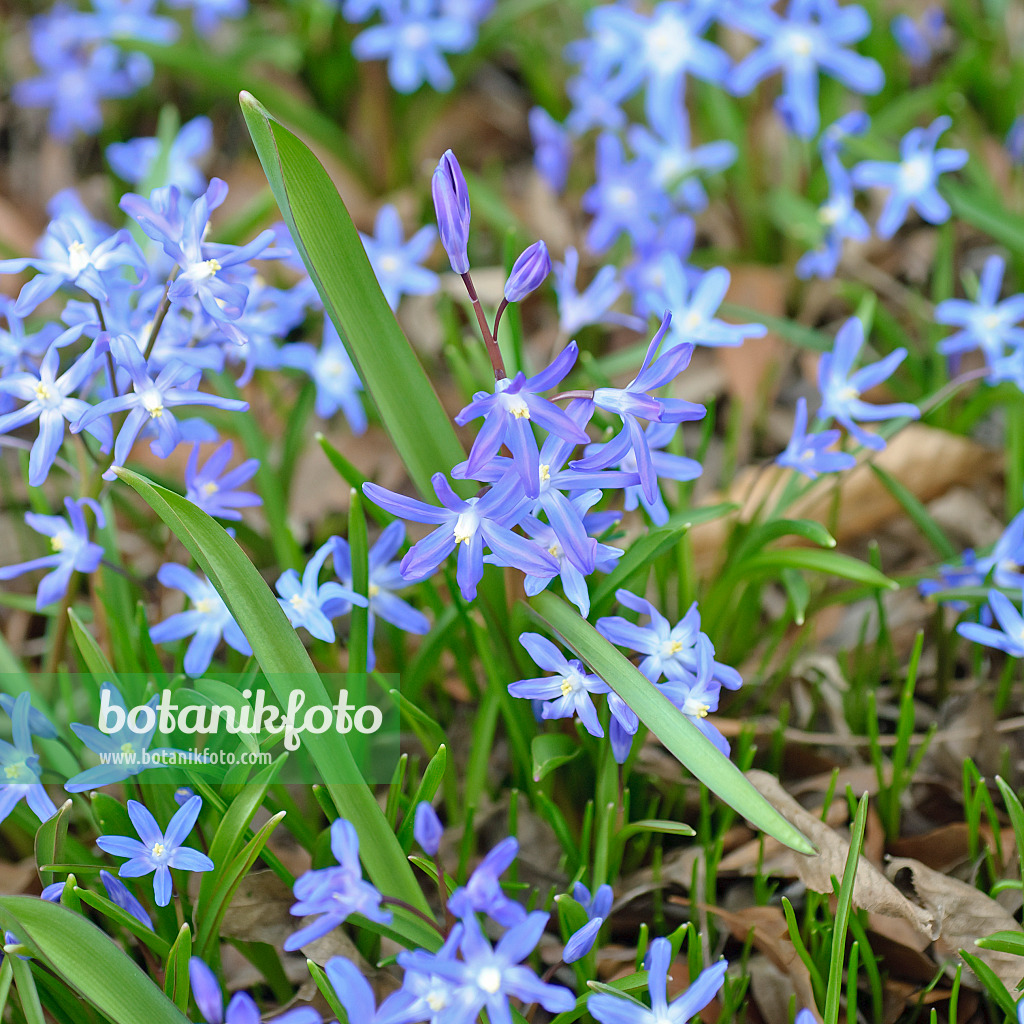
[[808, 454], [467, 524], [72, 253], [207, 14], [811, 38], [312, 604], [206, 622], [356, 995], [597, 908], [38, 724], [672, 160], [72, 550], [451, 207], [620, 200], [335, 893], [616, 1009], [693, 309], [414, 38], [77, 73], [487, 976], [124, 752], [657, 51], [427, 828], [385, 577], [594, 304], [134, 161], [1015, 141], [241, 1009], [697, 694], [1010, 635], [841, 388], [509, 414], [838, 215], [201, 264], [20, 767], [395, 261], [922, 37], [483, 894], [986, 323], [670, 651], [528, 272], [911, 181], [633, 402], [337, 382], [666, 466], [565, 694], [158, 851], [552, 148], [150, 401], [213, 490], [118, 893], [49, 399]]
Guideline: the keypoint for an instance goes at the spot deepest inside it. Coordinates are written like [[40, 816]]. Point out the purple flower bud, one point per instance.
[[582, 942], [427, 828], [1015, 141], [451, 203], [528, 272]]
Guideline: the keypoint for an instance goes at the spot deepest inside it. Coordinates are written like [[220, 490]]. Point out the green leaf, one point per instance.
[[676, 732], [642, 552], [921, 517], [282, 657], [229, 878], [95, 660], [550, 750], [176, 982], [88, 961], [991, 217], [110, 909], [829, 562], [49, 844], [330, 247], [1003, 942], [996, 989], [358, 633], [25, 985], [669, 828]]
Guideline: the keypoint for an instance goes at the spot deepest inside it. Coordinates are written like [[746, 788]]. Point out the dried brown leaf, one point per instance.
[[962, 915]]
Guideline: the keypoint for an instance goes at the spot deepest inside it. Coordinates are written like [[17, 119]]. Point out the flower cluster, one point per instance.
[[86, 57], [538, 488]]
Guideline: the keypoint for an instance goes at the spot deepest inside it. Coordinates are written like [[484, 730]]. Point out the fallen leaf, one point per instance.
[[962, 915]]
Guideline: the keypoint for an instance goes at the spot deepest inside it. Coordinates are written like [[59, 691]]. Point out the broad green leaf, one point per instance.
[[107, 907], [49, 844], [760, 537], [358, 542], [982, 212], [353, 477], [428, 787], [88, 961], [550, 750], [281, 656], [676, 732], [330, 247], [995, 987], [427, 730]]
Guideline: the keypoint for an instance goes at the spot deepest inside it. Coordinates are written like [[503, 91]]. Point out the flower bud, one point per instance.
[[427, 828], [451, 204], [528, 272]]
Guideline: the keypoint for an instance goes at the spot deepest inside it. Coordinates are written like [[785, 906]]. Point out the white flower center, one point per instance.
[[153, 403], [388, 264], [415, 36], [692, 320], [78, 257], [670, 647], [622, 196], [465, 526], [60, 541], [489, 979], [209, 488], [516, 405], [206, 605], [14, 771], [800, 44], [209, 268], [159, 850], [695, 708], [915, 174], [299, 603]]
